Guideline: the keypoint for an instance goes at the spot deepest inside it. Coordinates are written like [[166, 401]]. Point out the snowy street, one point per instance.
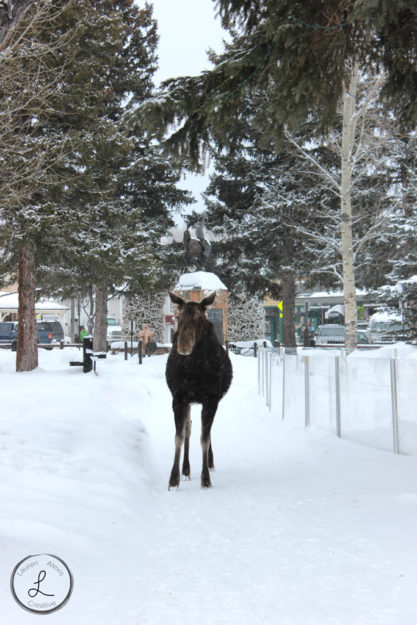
[[300, 528]]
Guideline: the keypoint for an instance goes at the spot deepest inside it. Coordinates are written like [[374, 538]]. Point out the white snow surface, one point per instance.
[[386, 315], [300, 528], [11, 300], [204, 280]]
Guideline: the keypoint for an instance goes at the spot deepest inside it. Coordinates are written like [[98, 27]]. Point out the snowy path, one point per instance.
[[299, 529]]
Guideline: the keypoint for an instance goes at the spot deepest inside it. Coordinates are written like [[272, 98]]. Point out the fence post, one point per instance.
[[259, 375], [266, 375], [270, 382], [140, 351], [394, 405], [283, 385], [337, 384], [306, 391]]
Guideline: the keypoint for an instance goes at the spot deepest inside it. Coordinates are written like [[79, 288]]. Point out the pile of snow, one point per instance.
[[11, 301], [385, 316], [299, 528], [200, 280], [391, 350]]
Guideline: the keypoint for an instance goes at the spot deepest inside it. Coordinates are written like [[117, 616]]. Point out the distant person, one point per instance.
[[146, 335], [83, 333]]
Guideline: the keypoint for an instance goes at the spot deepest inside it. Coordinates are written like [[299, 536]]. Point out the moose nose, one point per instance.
[[184, 353]]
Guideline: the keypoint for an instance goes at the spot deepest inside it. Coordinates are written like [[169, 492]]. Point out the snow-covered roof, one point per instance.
[[10, 301], [200, 280], [385, 315]]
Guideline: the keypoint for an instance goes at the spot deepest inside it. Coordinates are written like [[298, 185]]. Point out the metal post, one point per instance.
[[394, 404], [140, 351], [87, 353], [270, 382], [337, 383], [266, 375], [259, 376], [306, 391], [125, 350], [283, 385]]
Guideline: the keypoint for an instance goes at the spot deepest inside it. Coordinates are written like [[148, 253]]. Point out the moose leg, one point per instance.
[[186, 461], [210, 457], [207, 418], [180, 415]]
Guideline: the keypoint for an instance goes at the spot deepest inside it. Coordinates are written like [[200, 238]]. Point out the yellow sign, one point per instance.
[[279, 305]]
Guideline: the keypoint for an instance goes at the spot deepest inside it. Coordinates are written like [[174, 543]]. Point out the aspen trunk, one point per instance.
[[73, 331], [288, 311], [100, 325], [90, 322], [27, 339], [348, 137]]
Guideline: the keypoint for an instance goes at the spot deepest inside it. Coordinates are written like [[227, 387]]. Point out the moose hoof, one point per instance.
[[186, 472], [205, 482], [174, 481]]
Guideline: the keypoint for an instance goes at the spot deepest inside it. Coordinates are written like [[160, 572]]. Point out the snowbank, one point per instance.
[[300, 528]]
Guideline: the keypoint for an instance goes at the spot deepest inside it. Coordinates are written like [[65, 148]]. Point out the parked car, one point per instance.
[[8, 332], [362, 326], [333, 334], [330, 334], [386, 327], [114, 331], [51, 331]]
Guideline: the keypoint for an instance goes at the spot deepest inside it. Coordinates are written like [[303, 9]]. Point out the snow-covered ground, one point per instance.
[[300, 528]]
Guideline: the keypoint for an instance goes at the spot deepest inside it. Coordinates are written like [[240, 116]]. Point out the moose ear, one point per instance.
[[175, 299], [207, 301]]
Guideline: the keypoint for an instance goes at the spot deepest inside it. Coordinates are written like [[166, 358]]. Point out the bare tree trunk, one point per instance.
[[306, 331], [72, 321], [288, 311], [91, 313], [27, 339], [100, 325], [348, 139]]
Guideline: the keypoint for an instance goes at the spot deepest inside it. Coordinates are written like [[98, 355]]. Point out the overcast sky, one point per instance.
[[187, 29]]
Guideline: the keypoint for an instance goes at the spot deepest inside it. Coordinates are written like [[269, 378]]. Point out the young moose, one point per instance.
[[198, 371]]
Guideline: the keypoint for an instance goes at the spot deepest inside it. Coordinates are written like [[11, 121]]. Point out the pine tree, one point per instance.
[[104, 194], [307, 56], [262, 206], [123, 188], [28, 81], [398, 246]]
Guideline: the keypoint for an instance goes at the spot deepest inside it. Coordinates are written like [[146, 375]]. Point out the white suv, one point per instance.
[[114, 331], [330, 334]]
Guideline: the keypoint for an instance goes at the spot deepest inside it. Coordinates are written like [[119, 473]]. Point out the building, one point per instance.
[[194, 287], [318, 304]]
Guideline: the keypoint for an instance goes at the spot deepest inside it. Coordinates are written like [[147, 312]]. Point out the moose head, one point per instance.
[[192, 322]]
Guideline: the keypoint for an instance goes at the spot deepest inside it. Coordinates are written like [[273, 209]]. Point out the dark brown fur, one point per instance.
[[198, 371]]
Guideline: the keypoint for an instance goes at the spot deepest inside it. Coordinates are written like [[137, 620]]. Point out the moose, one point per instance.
[[198, 371]]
